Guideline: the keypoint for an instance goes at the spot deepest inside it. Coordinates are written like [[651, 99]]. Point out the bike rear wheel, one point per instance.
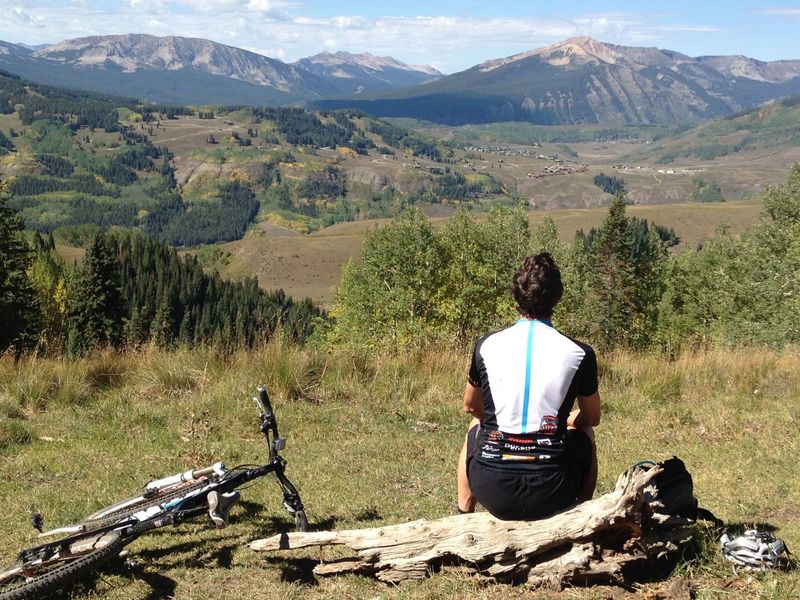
[[32, 580]]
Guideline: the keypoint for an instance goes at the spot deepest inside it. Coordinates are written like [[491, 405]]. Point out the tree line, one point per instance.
[[415, 286]]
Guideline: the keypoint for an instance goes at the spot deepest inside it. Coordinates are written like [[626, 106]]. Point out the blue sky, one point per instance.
[[446, 34]]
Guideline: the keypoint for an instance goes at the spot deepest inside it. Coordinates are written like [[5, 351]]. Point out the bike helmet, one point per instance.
[[754, 550]]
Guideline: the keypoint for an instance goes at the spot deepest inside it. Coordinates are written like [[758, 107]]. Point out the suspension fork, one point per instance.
[[291, 497]]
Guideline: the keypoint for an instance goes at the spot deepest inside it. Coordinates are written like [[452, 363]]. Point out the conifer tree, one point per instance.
[[612, 275], [18, 302], [625, 280], [97, 308], [161, 331]]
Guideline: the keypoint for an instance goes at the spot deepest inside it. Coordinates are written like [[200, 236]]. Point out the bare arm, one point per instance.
[[473, 401], [587, 414]]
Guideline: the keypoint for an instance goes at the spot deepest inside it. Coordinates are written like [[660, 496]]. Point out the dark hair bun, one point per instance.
[[537, 286]]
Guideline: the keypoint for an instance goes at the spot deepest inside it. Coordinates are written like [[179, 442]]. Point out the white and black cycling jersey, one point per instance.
[[530, 375]]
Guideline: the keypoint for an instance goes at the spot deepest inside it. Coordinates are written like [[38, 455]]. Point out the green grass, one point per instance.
[[371, 442]]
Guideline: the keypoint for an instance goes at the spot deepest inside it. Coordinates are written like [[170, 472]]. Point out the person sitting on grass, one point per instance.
[[528, 453]]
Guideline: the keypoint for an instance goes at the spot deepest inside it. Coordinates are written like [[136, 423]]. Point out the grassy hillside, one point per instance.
[[78, 435], [737, 137]]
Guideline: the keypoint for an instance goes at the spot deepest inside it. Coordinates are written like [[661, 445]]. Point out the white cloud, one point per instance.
[[687, 28], [24, 18], [278, 53], [350, 22], [260, 5], [149, 6]]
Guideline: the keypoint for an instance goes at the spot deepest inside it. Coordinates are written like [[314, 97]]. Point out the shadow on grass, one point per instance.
[[160, 585], [734, 529], [369, 514], [216, 551], [295, 570], [245, 510]]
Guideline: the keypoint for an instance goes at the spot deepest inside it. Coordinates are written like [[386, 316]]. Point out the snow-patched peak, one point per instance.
[[365, 61]]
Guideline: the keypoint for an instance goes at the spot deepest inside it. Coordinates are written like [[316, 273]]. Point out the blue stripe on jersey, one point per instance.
[[527, 397]]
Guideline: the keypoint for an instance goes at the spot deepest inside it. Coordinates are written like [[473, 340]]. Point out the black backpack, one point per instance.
[[671, 494]]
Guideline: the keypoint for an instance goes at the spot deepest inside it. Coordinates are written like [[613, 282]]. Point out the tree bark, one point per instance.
[[593, 541]]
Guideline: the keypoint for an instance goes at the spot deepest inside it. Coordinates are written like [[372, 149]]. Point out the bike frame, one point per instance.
[[85, 537]]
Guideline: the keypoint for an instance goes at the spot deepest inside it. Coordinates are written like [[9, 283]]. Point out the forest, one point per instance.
[[416, 287], [130, 290]]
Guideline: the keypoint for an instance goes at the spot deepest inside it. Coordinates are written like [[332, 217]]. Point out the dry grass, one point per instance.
[[371, 441]]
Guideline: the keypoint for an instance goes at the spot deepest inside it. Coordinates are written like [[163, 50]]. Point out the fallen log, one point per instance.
[[595, 540]]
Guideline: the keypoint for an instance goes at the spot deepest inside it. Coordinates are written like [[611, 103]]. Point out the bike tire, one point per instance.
[[92, 523], [70, 571], [300, 520]]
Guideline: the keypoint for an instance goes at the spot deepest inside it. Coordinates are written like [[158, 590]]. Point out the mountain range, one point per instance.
[[579, 81], [584, 81], [198, 71]]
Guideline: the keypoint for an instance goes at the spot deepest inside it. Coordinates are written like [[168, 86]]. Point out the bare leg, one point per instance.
[[466, 501], [587, 491]]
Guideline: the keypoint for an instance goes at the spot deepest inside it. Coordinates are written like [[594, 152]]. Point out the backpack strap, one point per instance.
[[707, 515]]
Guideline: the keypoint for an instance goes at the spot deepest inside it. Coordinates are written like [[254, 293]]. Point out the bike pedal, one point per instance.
[[219, 507], [37, 520]]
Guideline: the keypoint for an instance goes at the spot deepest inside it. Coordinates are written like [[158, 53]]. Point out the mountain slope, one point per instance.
[[358, 73], [198, 71], [583, 81], [171, 69], [766, 130]]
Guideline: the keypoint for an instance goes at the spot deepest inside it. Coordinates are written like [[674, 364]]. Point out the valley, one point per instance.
[[307, 263], [299, 241], [310, 265]]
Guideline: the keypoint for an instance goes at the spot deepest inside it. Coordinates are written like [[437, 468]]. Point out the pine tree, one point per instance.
[[625, 280], [19, 311], [612, 275], [161, 332], [97, 309]]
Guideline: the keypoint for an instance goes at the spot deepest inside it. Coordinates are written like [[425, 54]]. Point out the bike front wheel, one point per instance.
[[41, 575]]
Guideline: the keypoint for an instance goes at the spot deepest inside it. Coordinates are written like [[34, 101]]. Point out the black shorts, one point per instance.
[[525, 494]]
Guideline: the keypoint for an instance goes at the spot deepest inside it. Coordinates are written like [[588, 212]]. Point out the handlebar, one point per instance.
[[264, 405], [269, 425]]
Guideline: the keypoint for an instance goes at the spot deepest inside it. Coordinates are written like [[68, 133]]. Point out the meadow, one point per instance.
[[310, 265], [372, 441]]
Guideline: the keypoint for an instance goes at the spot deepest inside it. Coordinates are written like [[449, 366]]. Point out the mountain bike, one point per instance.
[[172, 500]]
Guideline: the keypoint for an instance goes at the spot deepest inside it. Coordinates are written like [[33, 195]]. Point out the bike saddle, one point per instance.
[[219, 507]]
